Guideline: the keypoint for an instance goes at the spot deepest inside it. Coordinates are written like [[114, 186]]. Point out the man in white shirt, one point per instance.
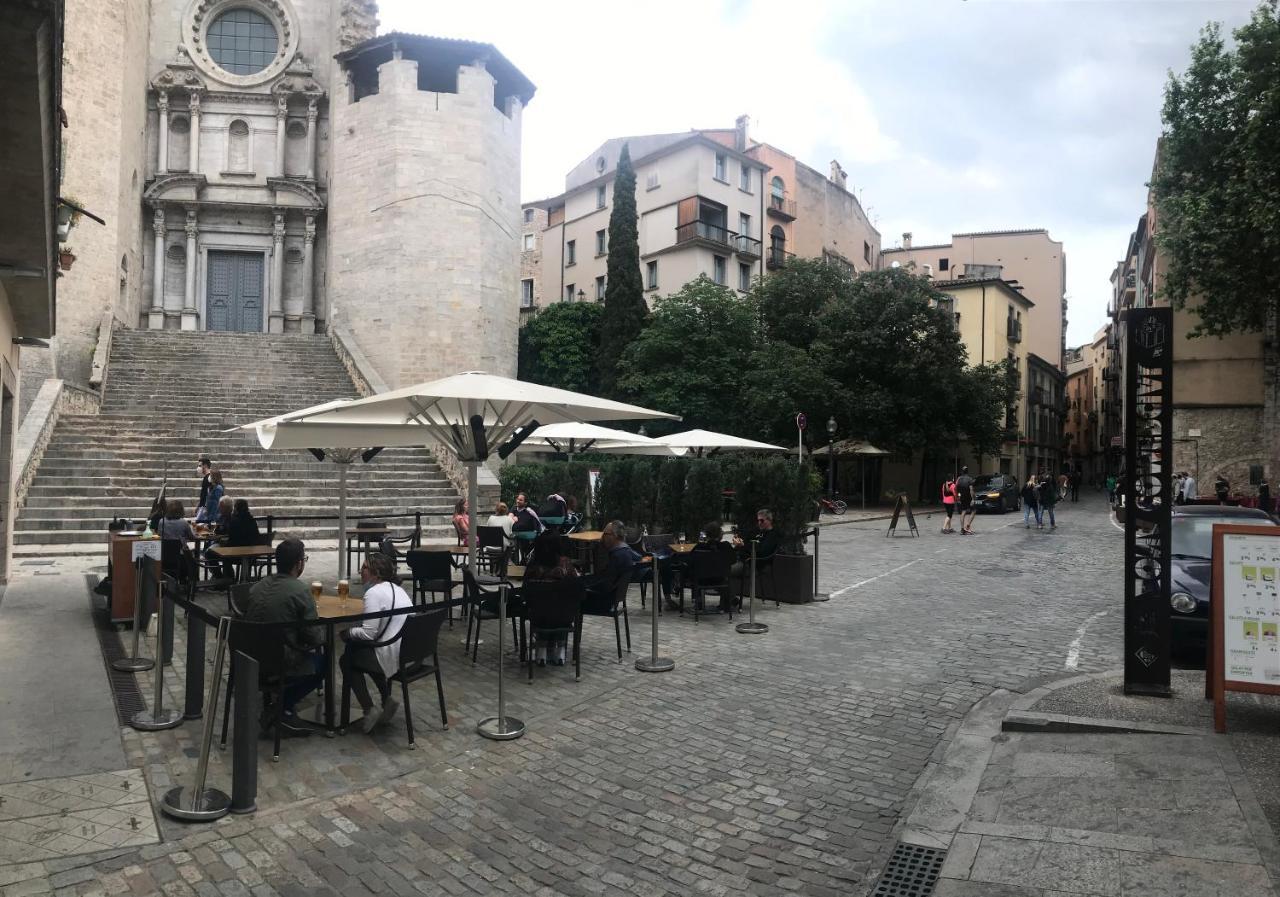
[[1189, 489]]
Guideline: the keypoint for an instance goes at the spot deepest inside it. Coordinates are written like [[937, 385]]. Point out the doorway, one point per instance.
[[234, 297]]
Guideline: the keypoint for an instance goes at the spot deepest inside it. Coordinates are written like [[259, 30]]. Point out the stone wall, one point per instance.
[[425, 221], [531, 259], [1229, 441], [53, 399]]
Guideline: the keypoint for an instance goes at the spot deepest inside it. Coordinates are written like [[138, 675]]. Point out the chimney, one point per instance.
[[838, 176], [906, 240], [740, 132]]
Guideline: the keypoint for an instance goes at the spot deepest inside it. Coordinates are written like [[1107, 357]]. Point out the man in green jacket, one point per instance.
[[283, 597]]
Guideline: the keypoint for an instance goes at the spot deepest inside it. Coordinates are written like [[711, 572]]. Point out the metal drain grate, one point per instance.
[[124, 686], [912, 872]]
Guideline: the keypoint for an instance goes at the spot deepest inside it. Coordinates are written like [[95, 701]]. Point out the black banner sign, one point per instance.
[[1148, 498]]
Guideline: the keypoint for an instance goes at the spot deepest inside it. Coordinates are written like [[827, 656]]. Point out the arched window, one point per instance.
[[778, 238], [179, 135], [777, 189], [238, 146]]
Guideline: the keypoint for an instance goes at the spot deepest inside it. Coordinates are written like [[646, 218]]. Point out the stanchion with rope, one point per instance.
[[201, 804], [817, 596], [501, 727], [751, 627], [133, 663], [158, 717], [653, 663]]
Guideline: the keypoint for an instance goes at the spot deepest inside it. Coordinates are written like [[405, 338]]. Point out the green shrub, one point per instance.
[[703, 495]]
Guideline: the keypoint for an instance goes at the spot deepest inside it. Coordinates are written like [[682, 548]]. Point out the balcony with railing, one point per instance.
[[781, 207], [777, 257], [705, 232], [1013, 329], [747, 247]]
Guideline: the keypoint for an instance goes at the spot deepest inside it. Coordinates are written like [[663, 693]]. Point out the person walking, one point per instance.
[[1048, 498], [1111, 489], [1076, 477], [948, 503], [203, 467], [1190, 490], [964, 497], [1030, 502]]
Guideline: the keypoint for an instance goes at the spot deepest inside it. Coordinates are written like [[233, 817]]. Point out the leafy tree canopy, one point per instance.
[[1217, 180], [559, 347]]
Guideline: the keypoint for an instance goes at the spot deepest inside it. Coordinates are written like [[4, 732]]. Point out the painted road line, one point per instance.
[[856, 585], [1073, 650]]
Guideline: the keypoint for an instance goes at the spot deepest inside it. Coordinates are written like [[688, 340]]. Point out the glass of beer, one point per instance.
[[316, 588], [344, 592]]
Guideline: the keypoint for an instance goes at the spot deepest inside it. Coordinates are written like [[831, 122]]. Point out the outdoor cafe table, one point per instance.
[[242, 555], [329, 608]]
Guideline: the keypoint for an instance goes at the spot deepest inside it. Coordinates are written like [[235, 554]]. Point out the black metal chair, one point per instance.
[[482, 604], [265, 645], [420, 657], [432, 574], [390, 545], [617, 608], [491, 550], [359, 543], [554, 609], [708, 571]]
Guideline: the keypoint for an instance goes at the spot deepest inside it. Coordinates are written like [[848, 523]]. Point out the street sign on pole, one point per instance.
[[801, 422]]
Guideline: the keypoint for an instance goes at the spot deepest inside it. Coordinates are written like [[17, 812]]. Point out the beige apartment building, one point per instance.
[[1029, 258], [1084, 427], [710, 202]]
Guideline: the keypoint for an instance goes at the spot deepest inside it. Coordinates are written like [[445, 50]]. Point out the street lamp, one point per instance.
[[582, 297], [831, 465]]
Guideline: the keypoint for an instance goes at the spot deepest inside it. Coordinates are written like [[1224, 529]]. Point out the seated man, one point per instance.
[[283, 597], [602, 586], [767, 542]]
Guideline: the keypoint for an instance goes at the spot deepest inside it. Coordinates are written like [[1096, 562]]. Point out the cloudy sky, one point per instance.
[[949, 115]]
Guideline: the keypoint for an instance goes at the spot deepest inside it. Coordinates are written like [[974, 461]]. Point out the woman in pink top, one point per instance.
[[948, 503]]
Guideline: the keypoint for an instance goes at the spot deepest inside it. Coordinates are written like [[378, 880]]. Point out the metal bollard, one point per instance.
[[501, 727], [751, 627], [817, 596], [194, 705], [166, 611], [244, 741], [203, 804], [653, 663], [158, 717], [133, 663]]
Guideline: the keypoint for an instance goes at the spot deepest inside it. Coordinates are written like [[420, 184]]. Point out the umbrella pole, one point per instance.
[[862, 462], [342, 521], [473, 492]]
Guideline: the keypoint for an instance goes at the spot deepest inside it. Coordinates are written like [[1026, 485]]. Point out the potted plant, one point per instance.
[[66, 258]]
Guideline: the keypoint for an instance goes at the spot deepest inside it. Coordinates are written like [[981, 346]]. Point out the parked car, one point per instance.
[[996, 492], [1193, 569]]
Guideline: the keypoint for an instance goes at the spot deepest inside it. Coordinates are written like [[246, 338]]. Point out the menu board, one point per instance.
[[1250, 608]]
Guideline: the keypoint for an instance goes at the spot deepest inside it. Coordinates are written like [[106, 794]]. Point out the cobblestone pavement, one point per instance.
[[761, 765]]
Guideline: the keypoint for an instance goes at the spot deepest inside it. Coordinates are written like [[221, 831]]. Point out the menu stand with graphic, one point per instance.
[[1244, 614]]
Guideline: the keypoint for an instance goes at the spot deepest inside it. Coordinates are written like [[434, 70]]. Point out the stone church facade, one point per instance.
[[203, 131]]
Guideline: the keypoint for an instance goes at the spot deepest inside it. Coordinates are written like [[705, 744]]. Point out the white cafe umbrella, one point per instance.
[[708, 441], [573, 437]]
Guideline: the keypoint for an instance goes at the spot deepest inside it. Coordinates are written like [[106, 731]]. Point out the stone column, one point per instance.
[[193, 160], [190, 318], [276, 320], [155, 318], [313, 116], [282, 116], [308, 276], [162, 161]]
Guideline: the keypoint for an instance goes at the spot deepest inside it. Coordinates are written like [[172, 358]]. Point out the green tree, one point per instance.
[[690, 358], [559, 347], [1217, 192], [625, 310]]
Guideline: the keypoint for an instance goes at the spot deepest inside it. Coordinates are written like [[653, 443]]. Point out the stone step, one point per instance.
[[41, 543], [305, 514], [76, 487]]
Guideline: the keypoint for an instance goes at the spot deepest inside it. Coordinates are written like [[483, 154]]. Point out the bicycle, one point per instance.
[[831, 506]]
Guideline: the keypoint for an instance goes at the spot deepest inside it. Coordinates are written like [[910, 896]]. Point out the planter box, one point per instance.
[[791, 581]]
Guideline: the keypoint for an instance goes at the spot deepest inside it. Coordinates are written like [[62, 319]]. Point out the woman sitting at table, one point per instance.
[[461, 520], [241, 528], [174, 525], [501, 516], [382, 592], [547, 564]]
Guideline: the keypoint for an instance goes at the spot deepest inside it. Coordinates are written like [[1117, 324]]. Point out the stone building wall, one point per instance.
[[425, 217], [533, 224], [1229, 441]]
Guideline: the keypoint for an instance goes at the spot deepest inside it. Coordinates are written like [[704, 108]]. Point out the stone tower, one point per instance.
[[424, 208]]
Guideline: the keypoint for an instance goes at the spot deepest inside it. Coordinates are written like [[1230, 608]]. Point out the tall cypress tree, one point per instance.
[[624, 306]]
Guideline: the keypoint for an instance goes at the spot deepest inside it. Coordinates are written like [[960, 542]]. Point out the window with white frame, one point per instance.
[[720, 166], [528, 216], [651, 276], [602, 242], [528, 242], [651, 181], [600, 196], [744, 224], [571, 252], [718, 269], [568, 292], [600, 288], [744, 177], [526, 293], [744, 276]]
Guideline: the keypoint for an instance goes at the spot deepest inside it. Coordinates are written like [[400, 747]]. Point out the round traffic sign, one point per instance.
[[801, 421]]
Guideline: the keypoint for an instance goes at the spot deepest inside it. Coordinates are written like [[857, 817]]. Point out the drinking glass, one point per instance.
[[344, 592], [317, 588]]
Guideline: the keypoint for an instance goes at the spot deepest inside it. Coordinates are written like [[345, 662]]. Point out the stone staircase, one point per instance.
[[169, 397]]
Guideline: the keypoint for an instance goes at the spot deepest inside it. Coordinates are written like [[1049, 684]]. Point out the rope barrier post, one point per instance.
[[817, 596], [193, 708], [244, 740], [501, 727], [158, 717], [751, 627], [133, 663], [653, 663], [202, 804]]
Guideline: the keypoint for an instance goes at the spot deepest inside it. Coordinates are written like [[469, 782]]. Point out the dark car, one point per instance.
[[996, 492], [1193, 569]]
